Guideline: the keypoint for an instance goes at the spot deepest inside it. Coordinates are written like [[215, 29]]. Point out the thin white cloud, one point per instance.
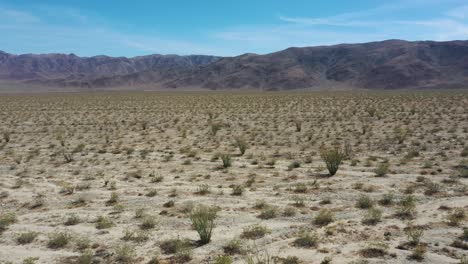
[[460, 12]]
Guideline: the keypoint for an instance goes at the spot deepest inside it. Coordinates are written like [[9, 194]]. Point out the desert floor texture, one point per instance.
[[115, 177]]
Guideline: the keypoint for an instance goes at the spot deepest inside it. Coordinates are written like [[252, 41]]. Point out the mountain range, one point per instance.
[[391, 64]]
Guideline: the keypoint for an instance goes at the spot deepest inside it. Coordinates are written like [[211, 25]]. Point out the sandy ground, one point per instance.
[[67, 154]]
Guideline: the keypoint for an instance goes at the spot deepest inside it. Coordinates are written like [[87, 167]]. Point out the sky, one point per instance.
[[219, 27]]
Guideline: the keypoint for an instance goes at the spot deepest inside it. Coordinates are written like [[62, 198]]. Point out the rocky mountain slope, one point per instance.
[[392, 64]]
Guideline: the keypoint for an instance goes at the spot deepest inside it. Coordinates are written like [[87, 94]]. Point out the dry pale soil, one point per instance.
[[116, 177]]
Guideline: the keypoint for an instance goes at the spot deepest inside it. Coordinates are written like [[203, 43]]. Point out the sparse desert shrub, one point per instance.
[[432, 188], [382, 169], [324, 217], [298, 201], [174, 246], [237, 190], [418, 252], [103, 222], [203, 189], [332, 158], [136, 236], [59, 240], [289, 211], [268, 213], [291, 260], [151, 193], [255, 232], [6, 219], [294, 165], [364, 202], [148, 222], [226, 159], [373, 216], [234, 247], [223, 260], [374, 250], [241, 144], [407, 207], [85, 258], [203, 221], [306, 240], [72, 219], [6, 136], [26, 238], [300, 188], [456, 217], [114, 198], [214, 128], [125, 253], [387, 199], [414, 234]]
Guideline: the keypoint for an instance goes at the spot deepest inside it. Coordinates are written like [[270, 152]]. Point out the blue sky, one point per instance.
[[218, 27]]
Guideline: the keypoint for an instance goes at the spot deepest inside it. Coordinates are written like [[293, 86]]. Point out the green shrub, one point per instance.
[[6, 219], [241, 145], [58, 240], [306, 240], [233, 247], [223, 260], [173, 246], [268, 213], [364, 202], [332, 158], [324, 217], [407, 207], [125, 253], [226, 159], [203, 221], [26, 238], [382, 169], [237, 190], [255, 232], [103, 222], [373, 216]]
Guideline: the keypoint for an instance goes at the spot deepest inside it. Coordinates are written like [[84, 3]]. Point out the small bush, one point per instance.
[[382, 169], [418, 252], [237, 190], [72, 219], [255, 232], [407, 207], [332, 158], [125, 253], [324, 217], [373, 216], [234, 246], [387, 199], [364, 202], [173, 246], [226, 159], [306, 240], [414, 234], [6, 219], [26, 238], [456, 217], [223, 260], [103, 223], [58, 240], [203, 221], [268, 213], [241, 145], [148, 222]]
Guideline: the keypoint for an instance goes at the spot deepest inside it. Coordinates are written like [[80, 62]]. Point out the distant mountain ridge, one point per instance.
[[391, 64]]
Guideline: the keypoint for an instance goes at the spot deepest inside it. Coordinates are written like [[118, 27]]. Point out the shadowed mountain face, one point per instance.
[[392, 64]]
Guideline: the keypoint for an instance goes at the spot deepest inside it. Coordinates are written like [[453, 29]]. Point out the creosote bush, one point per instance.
[[203, 221], [324, 217]]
